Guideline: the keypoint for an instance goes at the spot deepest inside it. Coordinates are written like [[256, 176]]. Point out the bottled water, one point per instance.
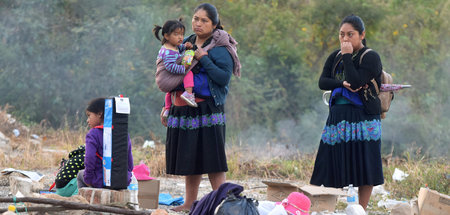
[[133, 189], [352, 195]]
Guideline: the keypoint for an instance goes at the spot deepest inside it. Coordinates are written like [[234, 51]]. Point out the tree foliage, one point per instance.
[[56, 55]]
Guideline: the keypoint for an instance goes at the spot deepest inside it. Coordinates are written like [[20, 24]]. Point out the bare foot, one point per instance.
[[181, 208]]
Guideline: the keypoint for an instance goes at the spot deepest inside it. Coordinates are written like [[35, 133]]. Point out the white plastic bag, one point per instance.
[[355, 209], [265, 207], [399, 175]]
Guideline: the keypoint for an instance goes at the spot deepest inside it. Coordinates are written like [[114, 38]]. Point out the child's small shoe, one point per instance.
[[166, 113], [189, 98]]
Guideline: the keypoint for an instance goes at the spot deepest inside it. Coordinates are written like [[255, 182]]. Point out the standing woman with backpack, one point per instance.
[[350, 146]]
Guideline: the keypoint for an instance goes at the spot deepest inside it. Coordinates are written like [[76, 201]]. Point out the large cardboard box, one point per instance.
[[322, 198], [433, 202], [148, 195]]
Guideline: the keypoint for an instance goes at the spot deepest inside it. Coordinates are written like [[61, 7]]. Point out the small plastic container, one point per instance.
[[188, 56], [352, 195]]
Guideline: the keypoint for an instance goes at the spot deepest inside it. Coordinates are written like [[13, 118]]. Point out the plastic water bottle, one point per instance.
[[133, 188], [352, 195]]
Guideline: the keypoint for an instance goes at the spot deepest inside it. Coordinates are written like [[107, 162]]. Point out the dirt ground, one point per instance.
[[175, 186]]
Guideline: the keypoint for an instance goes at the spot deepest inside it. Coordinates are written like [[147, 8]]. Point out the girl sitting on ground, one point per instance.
[[92, 175]]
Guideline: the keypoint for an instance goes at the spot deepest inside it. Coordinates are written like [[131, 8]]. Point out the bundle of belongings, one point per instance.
[[227, 200], [66, 179]]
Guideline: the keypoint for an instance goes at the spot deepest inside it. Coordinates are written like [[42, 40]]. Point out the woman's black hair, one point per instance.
[[96, 106], [212, 14], [168, 27], [357, 24]]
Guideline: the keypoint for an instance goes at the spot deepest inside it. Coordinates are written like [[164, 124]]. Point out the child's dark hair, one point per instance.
[[357, 24], [168, 27], [96, 105]]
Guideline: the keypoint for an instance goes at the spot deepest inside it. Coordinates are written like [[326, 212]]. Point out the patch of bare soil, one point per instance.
[[175, 186]]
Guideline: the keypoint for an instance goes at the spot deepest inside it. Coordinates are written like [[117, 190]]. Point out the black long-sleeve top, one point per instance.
[[356, 74]]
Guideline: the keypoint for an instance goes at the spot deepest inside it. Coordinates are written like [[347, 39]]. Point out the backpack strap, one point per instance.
[[98, 155], [360, 59], [51, 187], [376, 85], [377, 88], [101, 126], [362, 55], [337, 62]]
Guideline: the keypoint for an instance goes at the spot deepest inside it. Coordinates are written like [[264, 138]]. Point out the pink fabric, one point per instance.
[[188, 80], [142, 172], [168, 102]]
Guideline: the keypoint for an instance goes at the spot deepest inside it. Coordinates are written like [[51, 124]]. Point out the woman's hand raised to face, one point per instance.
[[346, 48], [199, 53]]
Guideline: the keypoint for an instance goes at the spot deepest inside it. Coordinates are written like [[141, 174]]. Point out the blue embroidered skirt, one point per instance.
[[195, 141], [349, 150]]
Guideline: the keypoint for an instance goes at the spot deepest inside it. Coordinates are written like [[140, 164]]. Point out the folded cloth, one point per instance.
[[167, 199], [69, 190]]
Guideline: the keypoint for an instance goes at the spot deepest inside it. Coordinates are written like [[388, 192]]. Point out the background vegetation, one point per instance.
[[56, 55]]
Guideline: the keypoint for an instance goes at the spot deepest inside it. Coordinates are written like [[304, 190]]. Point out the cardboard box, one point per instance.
[[433, 202], [322, 198], [148, 195], [277, 191]]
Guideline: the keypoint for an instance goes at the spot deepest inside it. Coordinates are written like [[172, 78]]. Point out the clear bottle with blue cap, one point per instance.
[[133, 188], [352, 195]]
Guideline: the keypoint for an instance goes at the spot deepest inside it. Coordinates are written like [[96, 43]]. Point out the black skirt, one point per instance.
[[196, 139], [349, 150]]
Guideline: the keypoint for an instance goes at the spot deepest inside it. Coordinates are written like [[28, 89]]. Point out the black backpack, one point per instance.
[[237, 205], [69, 169]]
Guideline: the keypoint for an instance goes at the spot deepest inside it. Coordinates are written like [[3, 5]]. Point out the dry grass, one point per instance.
[[298, 167], [154, 158], [28, 155], [431, 172]]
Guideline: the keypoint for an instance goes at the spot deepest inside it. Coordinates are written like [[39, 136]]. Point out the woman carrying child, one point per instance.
[[195, 142]]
